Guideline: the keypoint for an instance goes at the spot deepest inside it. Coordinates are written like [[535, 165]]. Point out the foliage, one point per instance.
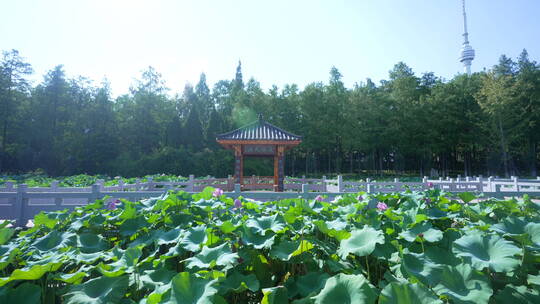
[[180, 248], [486, 123]]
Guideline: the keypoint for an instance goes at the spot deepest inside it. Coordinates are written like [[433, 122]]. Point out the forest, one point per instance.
[[486, 123]]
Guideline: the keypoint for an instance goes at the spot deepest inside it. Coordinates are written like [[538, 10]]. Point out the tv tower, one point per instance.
[[467, 52]]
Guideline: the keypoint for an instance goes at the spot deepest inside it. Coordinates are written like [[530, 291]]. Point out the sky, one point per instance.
[[278, 42]]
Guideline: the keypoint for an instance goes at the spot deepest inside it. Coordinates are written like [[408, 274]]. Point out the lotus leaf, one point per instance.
[[406, 293], [99, 290], [343, 288], [211, 257], [487, 251], [464, 284], [362, 242]]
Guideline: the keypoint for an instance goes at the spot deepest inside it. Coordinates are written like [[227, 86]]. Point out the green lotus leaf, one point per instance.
[[90, 258], [407, 293], [132, 226], [422, 267], [227, 227], [210, 257], [423, 230], [71, 278], [7, 254], [333, 229], [55, 240], [533, 229], [194, 238], [172, 236], [26, 293], [44, 219], [511, 225], [466, 196], [362, 242], [239, 282], [491, 251], [100, 290], [5, 235], [311, 283], [262, 224], [33, 272], [186, 288], [275, 295], [533, 279], [256, 240], [517, 295], [344, 288], [464, 284], [156, 278], [131, 256], [288, 249], [112, 270], [129, 211], [91, 243]]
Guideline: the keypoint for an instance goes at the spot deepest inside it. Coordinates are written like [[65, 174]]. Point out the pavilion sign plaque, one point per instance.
[[259, 149]]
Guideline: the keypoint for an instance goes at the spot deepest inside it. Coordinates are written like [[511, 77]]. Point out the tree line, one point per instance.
[[486, 123]]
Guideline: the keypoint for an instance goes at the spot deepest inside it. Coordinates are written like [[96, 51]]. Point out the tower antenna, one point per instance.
[[467, 52]]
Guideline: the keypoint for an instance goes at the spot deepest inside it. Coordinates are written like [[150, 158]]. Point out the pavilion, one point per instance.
[[260, 139]]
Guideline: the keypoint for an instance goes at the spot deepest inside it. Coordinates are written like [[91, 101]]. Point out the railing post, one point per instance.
[[497, 188], [425, 180], [54, 186], [95, 193], [237, 189], [137, 184], [516, 184], [101, 184], [368, 187], [150, 183], [467, 178], [20, 204], [340, 183], [191, 184], [490, 184], [230, 183], [305, 188], [458, 178], [120, 185], [324, 183]]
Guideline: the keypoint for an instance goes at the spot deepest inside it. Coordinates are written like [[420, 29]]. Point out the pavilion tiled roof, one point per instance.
[[259, 130]]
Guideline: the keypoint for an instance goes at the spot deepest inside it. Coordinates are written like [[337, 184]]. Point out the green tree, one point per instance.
[[14, 88]]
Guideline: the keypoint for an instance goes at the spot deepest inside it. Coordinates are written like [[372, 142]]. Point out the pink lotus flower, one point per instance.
[[382, 206], [427, 200], [217, 193], [430, 185], [237, 204], [319, 198], [359, 198]]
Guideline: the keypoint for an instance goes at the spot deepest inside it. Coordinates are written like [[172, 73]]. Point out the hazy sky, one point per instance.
[[277, 41]]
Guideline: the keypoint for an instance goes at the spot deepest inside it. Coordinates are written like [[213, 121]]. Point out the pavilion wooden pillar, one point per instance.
[[238, 165], [280, 176]]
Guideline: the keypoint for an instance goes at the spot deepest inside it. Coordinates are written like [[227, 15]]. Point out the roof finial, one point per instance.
[[260, 116]]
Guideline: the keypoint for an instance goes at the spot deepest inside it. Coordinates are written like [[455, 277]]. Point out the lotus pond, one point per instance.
[[413, 247]]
